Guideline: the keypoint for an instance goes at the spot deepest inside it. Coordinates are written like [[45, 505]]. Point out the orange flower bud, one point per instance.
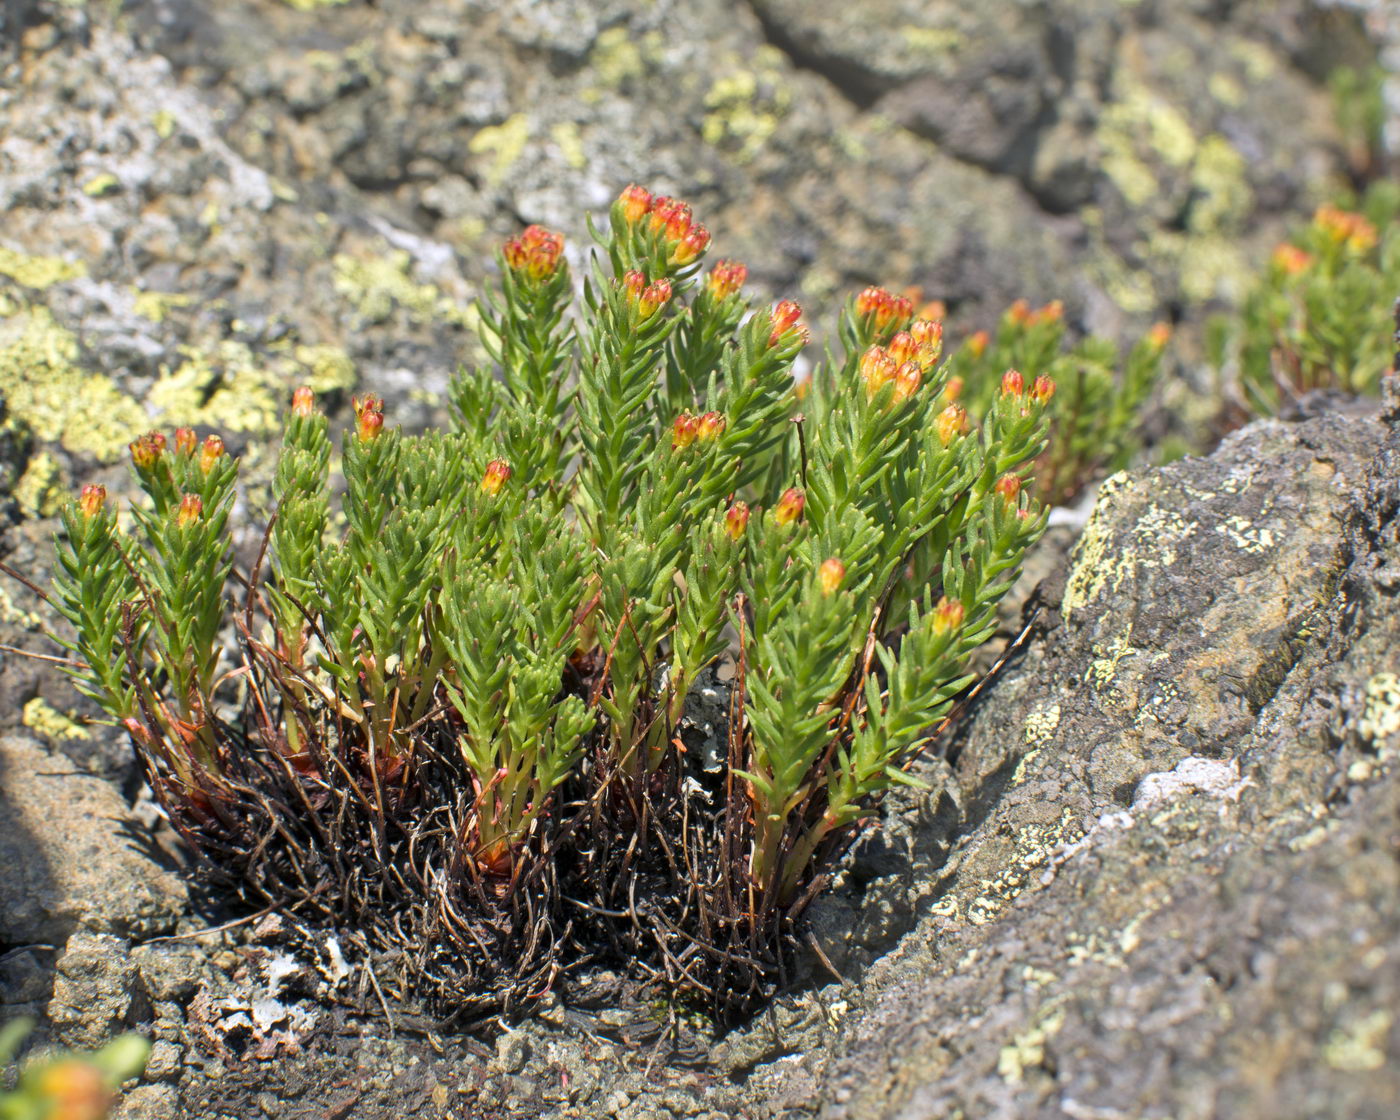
[[711, 426], [634, 283], [653, 297], [947, 616], [210, 454], [830, 575], [73, 1090], [790, 506], [901, 347], [683, 431], [877, 369], [884, 308], [953, 390], [784, 318], [1052, 312], [679, 222], [1019, 313], [303, 401], [908, 380], [692, 245], [92, 501], [369, 416], [726, 278], [928, 341], [191, 510], [1291, 260], [1009, 487], [951, 423], [1344, 226], [663, 208], [1042, 390], [736, 520], [147, 450], [977, 344], [1159, 335], [185, 441], [535, 253], [498, 472], [635, 201], [1012, 383]]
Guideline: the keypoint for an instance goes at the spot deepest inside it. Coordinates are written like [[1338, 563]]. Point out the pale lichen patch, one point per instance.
[[1246, 536], [1359, 1047], [40, 716], [1380, 719], [38, 273], [40, 490]]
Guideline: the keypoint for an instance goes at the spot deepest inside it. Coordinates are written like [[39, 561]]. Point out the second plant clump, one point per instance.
[[452, 724]]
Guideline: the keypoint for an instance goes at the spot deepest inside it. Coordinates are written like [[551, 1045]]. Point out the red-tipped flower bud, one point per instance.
[[692, 245], [785, 318], [92, 500], [147, 450], [736, 520], [884, 308], [210, 454], [1012, 383], [953, 390], [1042, 390], [977, 343], [303, 401], [1009, 487], [683, 431], [789, 507], [947, 616], [497, 473], [654, 296], [634, 283], [679, 221], [369, 416], [726, 278], [908, 380], [535, 253], [663, 209], [877, 369], [185, 441], [711, 426], [901, 347], [1291, 260], [928, 341], [830, 575], [1159, 335], [951, 423], [634, 203], [1019, 313], [191, 510], [1052, 312]]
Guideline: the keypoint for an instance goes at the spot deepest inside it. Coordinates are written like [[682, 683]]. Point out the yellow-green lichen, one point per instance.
[[1040, 726], [231, 388], [1360, 1046], [49, 391], [744, 109], [1027, 1050], [377, 286], [155, 306], [40, 716], [102, 184], [1034, 847], [504, 142], [617, 58], [163, 121], [1380, 719], [932, 42], [1092, 565], [42, 488], [312, 5], [38, 272], [1246, 536], [567, 139]]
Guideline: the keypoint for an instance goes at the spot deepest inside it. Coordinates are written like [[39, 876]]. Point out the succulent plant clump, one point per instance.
[[451, 720]]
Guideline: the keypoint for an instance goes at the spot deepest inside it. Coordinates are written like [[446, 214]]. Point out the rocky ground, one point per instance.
[[1158, 873]]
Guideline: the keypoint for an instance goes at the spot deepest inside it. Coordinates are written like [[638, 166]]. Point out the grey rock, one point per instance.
[[1179, 832], [94, 990], [65, 860]]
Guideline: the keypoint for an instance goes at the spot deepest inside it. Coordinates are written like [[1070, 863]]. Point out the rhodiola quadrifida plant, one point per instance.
[[1318, 317], [450, 719]]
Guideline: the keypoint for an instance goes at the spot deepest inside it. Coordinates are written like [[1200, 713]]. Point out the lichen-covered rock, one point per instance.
[[1176, 890], [67, 856]]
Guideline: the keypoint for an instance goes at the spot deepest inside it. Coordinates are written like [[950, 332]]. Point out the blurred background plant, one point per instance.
[[67, 1086]]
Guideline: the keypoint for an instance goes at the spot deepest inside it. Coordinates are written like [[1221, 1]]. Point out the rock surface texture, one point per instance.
[[1177, 892]]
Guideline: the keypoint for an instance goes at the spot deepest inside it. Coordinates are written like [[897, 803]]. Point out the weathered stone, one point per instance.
[[93, 990], [1176, 891], [66, 861]]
